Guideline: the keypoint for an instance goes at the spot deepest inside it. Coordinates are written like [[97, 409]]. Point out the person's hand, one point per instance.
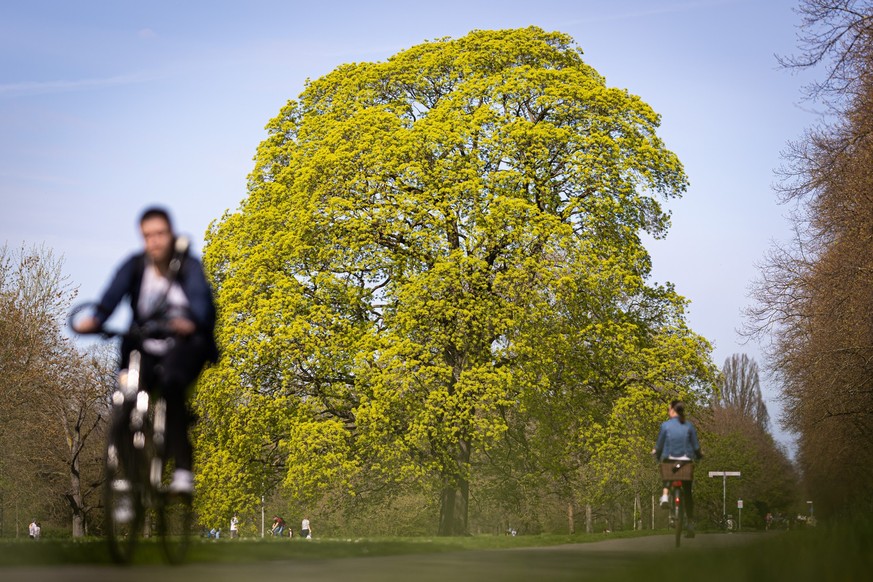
[[182, 326], [87, 325]]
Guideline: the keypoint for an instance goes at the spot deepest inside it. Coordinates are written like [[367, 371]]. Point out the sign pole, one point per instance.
[[724, 475]]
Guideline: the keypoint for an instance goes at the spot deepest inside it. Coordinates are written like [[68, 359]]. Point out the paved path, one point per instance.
[[557, 563]]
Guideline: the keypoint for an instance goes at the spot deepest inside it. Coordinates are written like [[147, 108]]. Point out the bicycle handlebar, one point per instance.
[[149, 329]]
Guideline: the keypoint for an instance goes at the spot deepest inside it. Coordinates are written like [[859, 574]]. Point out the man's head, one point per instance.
[[157, 233]]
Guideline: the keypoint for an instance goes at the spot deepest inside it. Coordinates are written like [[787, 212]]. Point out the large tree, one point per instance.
[[437, 251]]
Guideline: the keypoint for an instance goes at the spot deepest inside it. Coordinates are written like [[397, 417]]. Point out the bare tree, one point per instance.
[[740, 389], [835, 34], [814, 299], [53, 396]]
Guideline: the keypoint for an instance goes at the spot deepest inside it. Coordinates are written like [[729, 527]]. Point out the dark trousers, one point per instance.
[[171, 376]]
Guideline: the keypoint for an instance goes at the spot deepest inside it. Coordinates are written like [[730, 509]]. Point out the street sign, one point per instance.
[[724, 475], [739, 503]]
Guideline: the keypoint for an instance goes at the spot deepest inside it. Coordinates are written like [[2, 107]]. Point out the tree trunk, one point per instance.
[[447, 510], [571, 525], [638, 513], [455, 497], [589, 525], [74, 440]]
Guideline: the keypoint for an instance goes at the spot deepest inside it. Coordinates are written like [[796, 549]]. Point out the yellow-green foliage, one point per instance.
[[434, 248]]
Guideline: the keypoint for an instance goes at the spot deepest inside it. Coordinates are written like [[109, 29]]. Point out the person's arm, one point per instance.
[[112, 296], [695, 444], [659, 445], [199, 295]]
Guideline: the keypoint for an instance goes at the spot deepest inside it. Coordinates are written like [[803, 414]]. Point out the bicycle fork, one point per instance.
[[130, 395]]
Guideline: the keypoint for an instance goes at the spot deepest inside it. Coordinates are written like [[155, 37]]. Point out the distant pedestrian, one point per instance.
[[33, 530], [305, 530], [234, 527]]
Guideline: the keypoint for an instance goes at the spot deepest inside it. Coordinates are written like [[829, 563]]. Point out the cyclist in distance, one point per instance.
[[165, 284], [677, 440]]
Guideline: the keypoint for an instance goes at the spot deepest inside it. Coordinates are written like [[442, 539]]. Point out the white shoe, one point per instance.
[[123, 511], [665, 501], [183, 482]]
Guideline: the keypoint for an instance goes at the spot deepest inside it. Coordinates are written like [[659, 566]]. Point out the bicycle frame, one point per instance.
[[677, 509], [674, 473], [135, 478]]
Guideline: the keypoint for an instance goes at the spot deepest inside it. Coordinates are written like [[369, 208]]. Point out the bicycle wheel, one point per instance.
[[174, 526], [678, 513], [174, 510], [122, 497]]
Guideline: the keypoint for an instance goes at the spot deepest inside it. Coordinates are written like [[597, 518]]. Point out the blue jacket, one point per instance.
[[191, 278], [677, 439]]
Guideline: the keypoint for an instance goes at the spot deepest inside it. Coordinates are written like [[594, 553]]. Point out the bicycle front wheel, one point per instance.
[[174, 526], [122, 501]]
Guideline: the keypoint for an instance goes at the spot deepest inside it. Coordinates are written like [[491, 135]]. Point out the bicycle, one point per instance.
[[676, 472], [726, 523], [135, 488]]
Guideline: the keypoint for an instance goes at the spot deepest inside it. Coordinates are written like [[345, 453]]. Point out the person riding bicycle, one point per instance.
[[677, 440], [278, 526], [179, 296]]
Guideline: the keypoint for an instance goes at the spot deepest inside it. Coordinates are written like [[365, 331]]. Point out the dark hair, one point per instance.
[[156, 212], [679, 407]]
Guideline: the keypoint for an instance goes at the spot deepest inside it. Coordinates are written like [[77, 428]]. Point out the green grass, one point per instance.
[[825, 553], [842, 552], [93, 551]]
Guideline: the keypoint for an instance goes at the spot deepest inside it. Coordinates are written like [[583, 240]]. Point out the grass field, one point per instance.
[[841, 553], [93, 551], [823, 553]]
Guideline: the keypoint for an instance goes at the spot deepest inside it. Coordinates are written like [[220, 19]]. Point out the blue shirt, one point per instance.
[[677, 439]]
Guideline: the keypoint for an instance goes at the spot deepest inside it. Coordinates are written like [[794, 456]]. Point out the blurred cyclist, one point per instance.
[[165, 284]]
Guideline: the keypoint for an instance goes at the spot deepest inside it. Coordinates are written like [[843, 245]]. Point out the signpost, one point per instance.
[[740, 512], [724, 475]]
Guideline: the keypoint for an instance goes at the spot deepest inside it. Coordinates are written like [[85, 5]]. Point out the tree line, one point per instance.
[[814, 297], [53, 402]]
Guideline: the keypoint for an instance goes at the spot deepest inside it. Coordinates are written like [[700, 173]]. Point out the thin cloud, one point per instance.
[[65, 86], [654, 11]]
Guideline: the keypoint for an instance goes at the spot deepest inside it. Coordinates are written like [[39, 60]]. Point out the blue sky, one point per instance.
[[108, 106]]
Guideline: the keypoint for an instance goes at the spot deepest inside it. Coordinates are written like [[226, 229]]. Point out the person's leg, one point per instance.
[[177, 371], [689, 500], [689, 509]]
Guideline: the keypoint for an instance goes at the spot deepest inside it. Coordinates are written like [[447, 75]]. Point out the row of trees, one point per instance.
[[535, 501], [435, 297], [53, 401], [815, 294]]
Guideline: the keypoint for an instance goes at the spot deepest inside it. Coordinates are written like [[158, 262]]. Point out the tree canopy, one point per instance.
[[437, 274]]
